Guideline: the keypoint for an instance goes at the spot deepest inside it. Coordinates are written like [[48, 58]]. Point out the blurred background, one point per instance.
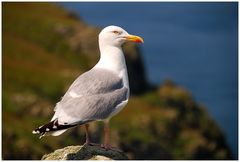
[[183, 79]]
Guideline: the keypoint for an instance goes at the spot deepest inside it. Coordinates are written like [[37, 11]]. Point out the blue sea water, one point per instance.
[[194, 44]]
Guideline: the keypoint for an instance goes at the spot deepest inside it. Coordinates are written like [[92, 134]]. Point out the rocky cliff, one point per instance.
[[45, 48]]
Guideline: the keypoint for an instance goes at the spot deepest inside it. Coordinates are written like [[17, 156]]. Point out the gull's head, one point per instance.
[[116, 36]]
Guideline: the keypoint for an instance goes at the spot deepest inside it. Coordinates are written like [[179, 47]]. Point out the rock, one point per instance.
[[85, 153]]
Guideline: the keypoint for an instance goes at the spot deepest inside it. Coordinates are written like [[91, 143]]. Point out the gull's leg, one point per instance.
[[106, 138], [87, 134], [106, 135], [88, 138]]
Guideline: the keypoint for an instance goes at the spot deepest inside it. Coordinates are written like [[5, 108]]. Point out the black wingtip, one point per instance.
[[49, 127]]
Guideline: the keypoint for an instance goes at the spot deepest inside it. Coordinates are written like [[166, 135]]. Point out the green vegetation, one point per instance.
[[38, 66], [39, 63]]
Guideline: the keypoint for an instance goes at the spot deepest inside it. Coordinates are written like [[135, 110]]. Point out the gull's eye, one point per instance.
[[116, 32]]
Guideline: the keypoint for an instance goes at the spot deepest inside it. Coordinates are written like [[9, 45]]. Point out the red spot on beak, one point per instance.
[[135, 38]]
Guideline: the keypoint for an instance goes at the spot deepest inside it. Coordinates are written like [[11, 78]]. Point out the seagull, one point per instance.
[[98, 94]]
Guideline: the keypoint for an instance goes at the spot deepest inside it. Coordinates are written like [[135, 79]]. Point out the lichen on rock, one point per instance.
[[85, 153]]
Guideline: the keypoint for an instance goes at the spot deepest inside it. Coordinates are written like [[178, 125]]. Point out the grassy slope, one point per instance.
[[38, 66]]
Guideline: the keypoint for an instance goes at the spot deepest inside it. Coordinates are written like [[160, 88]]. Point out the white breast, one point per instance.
[[113, 59]]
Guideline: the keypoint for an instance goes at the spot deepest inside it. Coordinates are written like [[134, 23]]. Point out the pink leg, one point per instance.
[[88, 138], [106, 139], [106, 135]]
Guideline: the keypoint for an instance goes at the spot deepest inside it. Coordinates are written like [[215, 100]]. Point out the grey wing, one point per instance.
[[92, 96], [91, 107], [96, 81]]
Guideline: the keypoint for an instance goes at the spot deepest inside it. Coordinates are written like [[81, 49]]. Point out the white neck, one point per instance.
[[112, 58]]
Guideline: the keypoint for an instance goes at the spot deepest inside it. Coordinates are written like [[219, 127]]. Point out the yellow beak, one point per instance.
[[134, 38]]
